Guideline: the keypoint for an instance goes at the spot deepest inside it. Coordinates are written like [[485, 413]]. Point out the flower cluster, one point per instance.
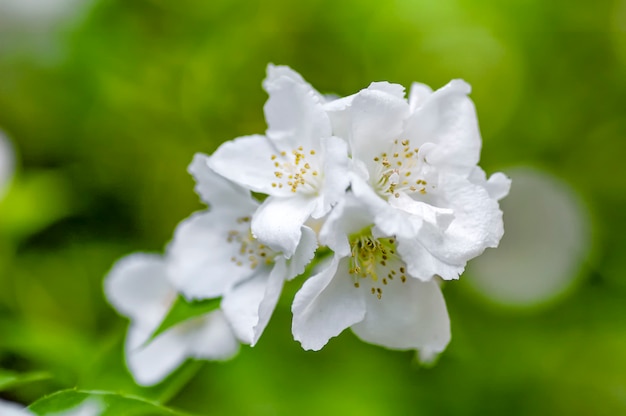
[[389, 186]]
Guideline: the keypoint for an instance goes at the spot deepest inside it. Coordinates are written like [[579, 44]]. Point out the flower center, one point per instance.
[[251, 252], [296, 171], [400, 169], [376, 259]]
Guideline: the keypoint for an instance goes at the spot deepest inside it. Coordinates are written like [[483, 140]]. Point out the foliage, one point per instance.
[[109, 114]]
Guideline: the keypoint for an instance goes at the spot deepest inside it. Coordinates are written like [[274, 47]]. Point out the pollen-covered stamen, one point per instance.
[[297, 170], [250, 252], [400, 169], [376, 259]]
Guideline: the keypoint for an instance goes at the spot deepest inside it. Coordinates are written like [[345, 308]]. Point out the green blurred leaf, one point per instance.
[[111, 404], [35, 200], [182, 310], [10, 379]]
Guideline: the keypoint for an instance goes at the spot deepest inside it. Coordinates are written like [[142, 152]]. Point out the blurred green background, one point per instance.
[[107, 102]]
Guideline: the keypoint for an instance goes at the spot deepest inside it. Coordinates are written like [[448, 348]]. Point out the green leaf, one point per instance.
[[10, 379], [109, 404], [183, 310]]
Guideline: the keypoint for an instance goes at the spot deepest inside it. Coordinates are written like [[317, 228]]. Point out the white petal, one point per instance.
[[497, 186], [275, 72], [204, 337], [200, 257], [209, 337], [409, 315], [248, 162], [423, 265], [389, 219], [546, 242], [415, 213], [336, 179], [477, 223], [396, 90], [418, 95], [326, 304], [153, 362], [294, 112], [303, 254], [278, 222], [370, 199], [217, 191], [377, 120], [249, 306], [340, 113], [340, 116], [137, 286], [348, 217], [448, 119]]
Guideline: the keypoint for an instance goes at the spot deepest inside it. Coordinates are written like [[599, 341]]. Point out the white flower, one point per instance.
[[368, 287], [215, 254], [299, 163], [139, 287], [415, 168]]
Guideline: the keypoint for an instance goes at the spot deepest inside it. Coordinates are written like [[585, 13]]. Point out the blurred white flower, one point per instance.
[[415, 169], [299, 163], [7, 163], [215, 254], [139, 287], [547, 240], [39, 13], [368, 287], [13, 409], [37, 26]]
